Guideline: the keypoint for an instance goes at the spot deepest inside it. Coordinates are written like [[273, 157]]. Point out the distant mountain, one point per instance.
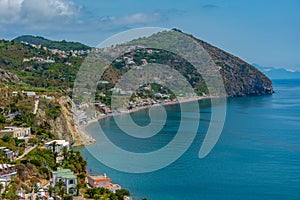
[[61, 45], [278, 73]]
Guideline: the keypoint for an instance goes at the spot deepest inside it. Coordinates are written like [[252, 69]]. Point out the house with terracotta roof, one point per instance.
[[102, 181]]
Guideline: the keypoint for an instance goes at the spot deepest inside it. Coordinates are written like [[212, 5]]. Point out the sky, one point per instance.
[[265, 32]]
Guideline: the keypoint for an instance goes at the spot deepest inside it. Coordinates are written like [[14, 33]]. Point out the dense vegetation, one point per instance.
[[58, 75], [161, 57], [62, 45], [102, 193], [239, 78], [56, 79]]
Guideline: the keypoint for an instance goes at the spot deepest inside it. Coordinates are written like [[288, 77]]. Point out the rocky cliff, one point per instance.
[[8, 77], [240, 78], [64, 126]]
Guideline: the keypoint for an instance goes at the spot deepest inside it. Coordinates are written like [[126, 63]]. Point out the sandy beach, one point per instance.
[[86, 137]]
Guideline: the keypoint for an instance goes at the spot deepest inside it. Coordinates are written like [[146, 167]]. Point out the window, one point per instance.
[[71, 181]]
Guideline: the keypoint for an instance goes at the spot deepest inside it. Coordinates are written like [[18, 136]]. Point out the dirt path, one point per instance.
[[26, 152], [36, 106]]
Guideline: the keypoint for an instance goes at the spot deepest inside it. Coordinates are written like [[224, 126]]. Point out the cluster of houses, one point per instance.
[[60, 175], [6, 172], [74, 53], [84, 114], [32, 94], [65, 175], [22, 133], [39, 59], [70, 179], [63, 53]]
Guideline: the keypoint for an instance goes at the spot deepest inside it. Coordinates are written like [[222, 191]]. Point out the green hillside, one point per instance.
[[40, 67], [239, 77], [61, 45], [32, 65]]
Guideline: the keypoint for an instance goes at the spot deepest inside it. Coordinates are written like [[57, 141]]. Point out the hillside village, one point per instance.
[[41, 119], [34, 162], [36, 165]]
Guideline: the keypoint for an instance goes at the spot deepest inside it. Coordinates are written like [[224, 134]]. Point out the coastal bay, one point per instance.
[[256, 156]]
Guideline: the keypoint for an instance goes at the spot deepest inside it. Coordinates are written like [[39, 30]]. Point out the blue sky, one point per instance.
[[265, 32]]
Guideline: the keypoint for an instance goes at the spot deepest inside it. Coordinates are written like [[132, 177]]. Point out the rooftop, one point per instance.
[[114, 186], [59, 142], [99, 177], [68, 176], [6, 166], [62, 171], [11, 128]]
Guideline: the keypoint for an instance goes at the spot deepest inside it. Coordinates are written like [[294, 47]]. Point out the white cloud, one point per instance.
[[139, 18], [290, 70], [136, 18], [10, 10], [30, 11]]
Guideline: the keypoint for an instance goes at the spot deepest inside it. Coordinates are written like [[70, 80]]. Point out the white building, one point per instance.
[[16, 132], [9, 154], [7, 171], [66, 176], [59, 144], [21, 193], [29, 93], [14, 93]]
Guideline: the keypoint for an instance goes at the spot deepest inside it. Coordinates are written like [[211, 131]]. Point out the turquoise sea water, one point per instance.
[[256, 157]]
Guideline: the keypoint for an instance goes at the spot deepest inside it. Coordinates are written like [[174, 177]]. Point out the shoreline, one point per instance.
[[90, 141]]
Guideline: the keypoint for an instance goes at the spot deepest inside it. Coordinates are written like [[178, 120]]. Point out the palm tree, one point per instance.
[[81, 177], [60, 188], [65, 152], [78, 186], [53, 145], [51, 191], [1, 187]]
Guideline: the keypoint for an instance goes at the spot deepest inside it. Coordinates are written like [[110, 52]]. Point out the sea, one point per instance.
[[256, 157]]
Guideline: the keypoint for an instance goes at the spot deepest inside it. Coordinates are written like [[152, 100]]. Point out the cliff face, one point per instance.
[[65, 126], [8, 77], [240, 78], [5, 91], [68, 124]]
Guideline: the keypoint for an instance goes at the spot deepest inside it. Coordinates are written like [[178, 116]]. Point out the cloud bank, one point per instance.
[[34, 11], [132, 19], [35, 15]]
